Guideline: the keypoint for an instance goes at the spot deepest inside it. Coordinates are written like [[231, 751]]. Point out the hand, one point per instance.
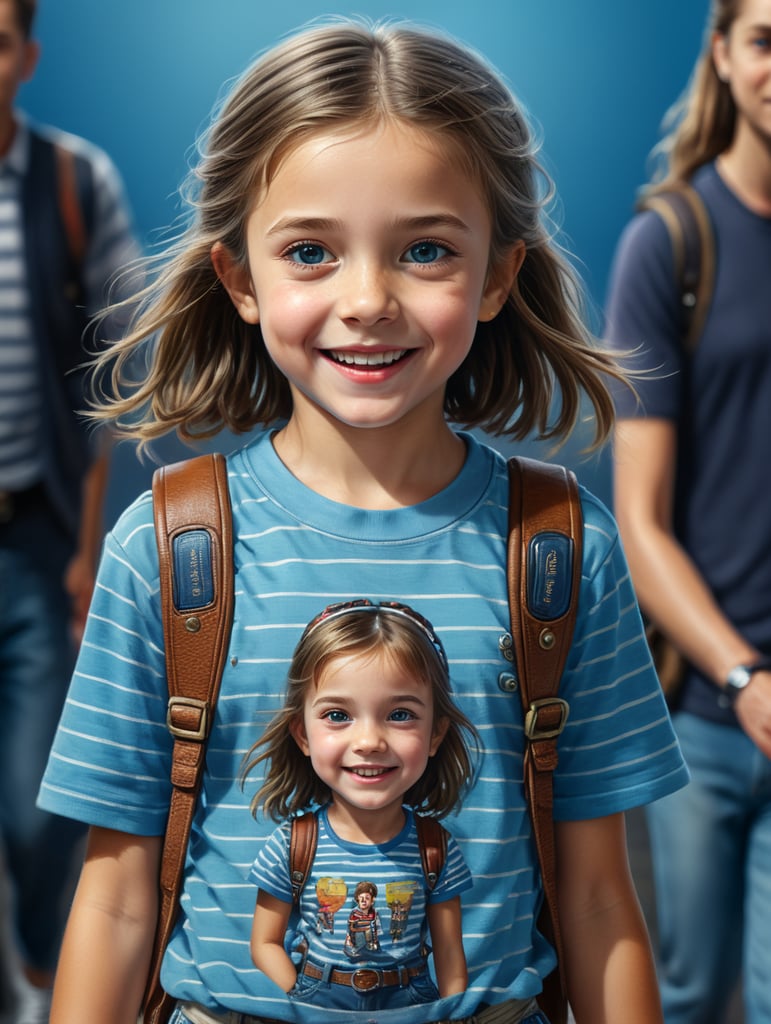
[[79, 584], [753, 709]]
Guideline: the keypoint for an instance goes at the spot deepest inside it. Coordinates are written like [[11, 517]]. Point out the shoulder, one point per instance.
[[101, 164]]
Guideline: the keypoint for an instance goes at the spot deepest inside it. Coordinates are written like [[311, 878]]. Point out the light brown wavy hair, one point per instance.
[[208, 369], [290, 784], [700, 125]]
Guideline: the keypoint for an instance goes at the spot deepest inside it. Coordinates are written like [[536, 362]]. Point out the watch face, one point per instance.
[[738, 677]]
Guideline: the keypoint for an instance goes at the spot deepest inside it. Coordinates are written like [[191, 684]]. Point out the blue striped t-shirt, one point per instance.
[[296, 552]]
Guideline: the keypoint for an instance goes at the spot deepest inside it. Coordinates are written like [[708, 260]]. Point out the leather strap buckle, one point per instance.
[[548, 726], [187, 718]]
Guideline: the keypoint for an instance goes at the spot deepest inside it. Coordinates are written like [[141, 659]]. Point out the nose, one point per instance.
[[367, 294], [369, 737]]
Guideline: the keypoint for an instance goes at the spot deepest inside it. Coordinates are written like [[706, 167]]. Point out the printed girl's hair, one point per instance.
[[290, 784], [700, 125], [209, 369]]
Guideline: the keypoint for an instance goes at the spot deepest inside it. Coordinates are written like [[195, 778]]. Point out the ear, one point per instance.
[[237, 283], [440, 731], [500, 281], [299, 735], [720, 57]]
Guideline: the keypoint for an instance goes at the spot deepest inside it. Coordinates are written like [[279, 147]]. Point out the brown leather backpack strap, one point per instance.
[[302, 849], [432, 841], [544, 576], [195, 551]]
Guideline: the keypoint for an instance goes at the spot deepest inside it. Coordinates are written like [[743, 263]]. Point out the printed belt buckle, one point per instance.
[[365, 980], [6, 507]]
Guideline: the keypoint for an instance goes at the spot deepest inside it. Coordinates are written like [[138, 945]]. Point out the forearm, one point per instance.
[[444, 921], [608, 962], [107, 945], [609, 967], [272, 960]]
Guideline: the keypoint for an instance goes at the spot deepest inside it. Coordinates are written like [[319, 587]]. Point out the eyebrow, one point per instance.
[[332, 700], [424, 222]]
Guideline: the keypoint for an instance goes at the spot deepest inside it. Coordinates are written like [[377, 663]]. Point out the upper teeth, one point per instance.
[[367, 358], [368, 771]]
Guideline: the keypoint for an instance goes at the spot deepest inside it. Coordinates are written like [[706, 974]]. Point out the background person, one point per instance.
[[694, 510], [52, 477]]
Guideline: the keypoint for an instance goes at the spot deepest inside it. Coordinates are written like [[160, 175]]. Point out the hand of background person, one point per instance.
[[753, 709], [79, 584]]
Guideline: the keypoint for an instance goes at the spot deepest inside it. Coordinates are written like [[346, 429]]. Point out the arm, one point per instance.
[[670, 588], [81, 571], [608, 962], [271, 917], [106, 951], [444, 922]]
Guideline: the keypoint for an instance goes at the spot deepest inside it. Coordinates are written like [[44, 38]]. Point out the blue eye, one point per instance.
[[337, 717], [425, 252], [401, 715], [308, 254]]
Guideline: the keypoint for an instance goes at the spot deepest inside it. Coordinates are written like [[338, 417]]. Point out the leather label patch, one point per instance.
[[549, 575], [193, 570]]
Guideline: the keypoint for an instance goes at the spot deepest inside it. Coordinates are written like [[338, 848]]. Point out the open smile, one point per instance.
[[369, 772], [366, 359]]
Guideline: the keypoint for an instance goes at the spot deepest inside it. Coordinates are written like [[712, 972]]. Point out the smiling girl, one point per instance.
[[368, 268], [370, 733]]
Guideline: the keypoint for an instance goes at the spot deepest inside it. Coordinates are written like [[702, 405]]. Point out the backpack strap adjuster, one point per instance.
[[546, 718]]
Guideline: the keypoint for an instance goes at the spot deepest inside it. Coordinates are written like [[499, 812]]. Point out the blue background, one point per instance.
[[596, 76]]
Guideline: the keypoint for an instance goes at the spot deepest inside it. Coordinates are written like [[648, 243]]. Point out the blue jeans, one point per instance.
[[36, 659], [711, 852]]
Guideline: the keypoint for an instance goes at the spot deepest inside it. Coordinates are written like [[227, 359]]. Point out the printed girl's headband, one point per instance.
[[363, 604]]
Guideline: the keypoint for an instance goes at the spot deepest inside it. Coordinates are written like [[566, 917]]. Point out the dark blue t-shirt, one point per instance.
[[720, 398]]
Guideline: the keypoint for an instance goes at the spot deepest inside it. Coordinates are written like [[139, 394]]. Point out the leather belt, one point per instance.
[[365, 979]]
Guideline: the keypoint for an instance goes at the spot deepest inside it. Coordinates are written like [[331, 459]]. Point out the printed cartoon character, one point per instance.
[[331, 894], [363, 923], [399, 901]]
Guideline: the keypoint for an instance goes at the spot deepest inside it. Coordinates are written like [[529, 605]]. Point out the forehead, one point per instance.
[[411, 155]]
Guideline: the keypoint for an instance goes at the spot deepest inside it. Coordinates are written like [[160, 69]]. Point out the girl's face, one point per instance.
[[368, 728], [368, 271], [743, 59]]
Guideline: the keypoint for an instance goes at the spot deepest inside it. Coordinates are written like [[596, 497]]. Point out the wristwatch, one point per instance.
[[740, 676]]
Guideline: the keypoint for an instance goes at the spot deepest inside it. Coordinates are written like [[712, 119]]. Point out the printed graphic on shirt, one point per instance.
[[364, 929], [331, 894]]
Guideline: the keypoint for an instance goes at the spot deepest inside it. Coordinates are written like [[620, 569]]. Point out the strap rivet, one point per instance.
[[507, 682], [546, 639], [192, 624], [506, 646]]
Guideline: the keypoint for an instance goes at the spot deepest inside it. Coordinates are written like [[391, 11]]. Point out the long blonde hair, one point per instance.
[[207, 368], [290, 784], [700, 125]]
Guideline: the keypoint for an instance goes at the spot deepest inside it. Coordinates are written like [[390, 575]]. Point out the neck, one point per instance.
[[379, 468], [362, 826], [746, 168]]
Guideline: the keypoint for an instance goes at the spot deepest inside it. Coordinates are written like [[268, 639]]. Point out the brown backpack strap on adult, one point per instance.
[[195, 552], [544, 576], [693, 248], [304, 834]]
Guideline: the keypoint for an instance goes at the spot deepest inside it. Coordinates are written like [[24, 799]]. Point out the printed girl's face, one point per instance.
[[368, 272], [369, 730], [743, 59]]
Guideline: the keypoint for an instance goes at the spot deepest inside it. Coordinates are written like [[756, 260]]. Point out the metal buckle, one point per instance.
[[531, 718], [365, 980], [180, 732]]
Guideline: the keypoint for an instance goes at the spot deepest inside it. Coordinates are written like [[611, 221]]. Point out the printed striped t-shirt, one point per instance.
[[295, 552]]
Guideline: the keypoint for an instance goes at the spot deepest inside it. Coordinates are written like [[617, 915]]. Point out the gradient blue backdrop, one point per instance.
[[596, 76]]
